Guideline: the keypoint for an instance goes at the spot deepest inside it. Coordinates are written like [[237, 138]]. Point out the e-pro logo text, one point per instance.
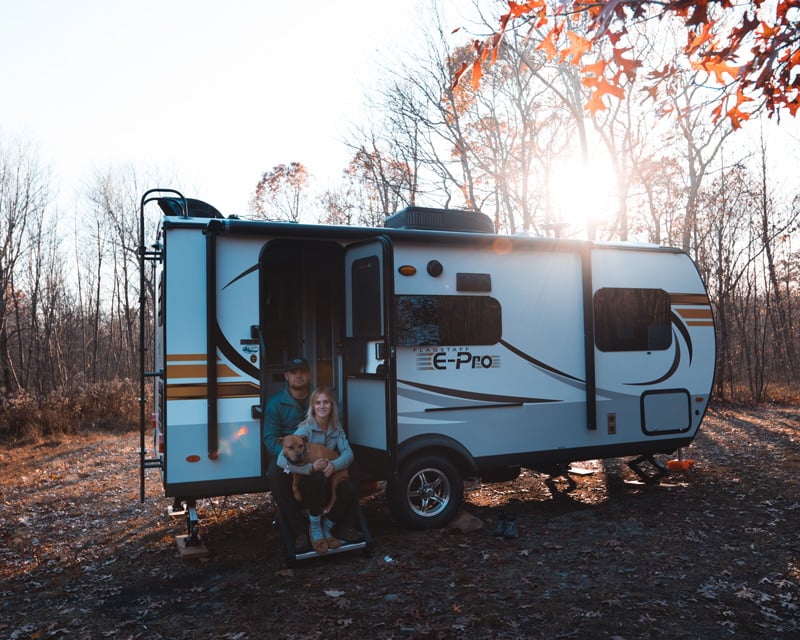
[[456, 360]]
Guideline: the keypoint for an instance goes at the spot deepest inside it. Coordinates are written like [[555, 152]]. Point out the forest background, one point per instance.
[[645, 165]]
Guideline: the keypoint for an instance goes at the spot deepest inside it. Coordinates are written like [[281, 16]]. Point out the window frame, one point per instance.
[[647, 323], [479, 330]]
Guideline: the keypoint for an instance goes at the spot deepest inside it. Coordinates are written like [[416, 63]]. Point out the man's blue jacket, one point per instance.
[[282, 414]]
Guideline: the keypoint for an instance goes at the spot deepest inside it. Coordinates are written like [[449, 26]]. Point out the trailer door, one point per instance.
[[369, 367]]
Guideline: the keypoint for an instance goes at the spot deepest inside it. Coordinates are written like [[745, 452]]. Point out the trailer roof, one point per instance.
[[346, 234]]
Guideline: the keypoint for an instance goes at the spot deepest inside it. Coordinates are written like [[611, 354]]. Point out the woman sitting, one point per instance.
[[321, 426]]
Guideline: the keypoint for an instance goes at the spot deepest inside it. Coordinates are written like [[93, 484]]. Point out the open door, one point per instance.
[[369, 367], [300, 295]]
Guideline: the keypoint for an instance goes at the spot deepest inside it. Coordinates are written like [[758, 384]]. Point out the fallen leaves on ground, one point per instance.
[[712, 553]]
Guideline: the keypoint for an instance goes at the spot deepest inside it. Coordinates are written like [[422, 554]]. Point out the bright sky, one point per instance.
[[210, 97], [212, 93]]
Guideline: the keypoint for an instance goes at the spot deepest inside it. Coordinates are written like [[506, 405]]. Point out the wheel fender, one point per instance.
[[431, 443]]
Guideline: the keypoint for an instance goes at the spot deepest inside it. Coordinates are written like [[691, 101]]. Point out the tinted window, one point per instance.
[[446, 320], [632, 320], [366, 280]]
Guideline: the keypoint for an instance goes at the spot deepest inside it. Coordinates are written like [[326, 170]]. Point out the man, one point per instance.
[[282, 413]]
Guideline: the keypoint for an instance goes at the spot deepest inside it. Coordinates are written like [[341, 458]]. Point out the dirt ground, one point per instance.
[[714, 554]]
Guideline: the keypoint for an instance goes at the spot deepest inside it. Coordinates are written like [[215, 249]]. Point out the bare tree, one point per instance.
[[24, 195]]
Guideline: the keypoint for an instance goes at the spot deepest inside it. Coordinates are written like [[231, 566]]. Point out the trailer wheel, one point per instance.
[[427, 492]]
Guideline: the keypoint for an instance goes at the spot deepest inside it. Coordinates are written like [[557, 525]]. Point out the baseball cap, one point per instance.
[[297, 363]]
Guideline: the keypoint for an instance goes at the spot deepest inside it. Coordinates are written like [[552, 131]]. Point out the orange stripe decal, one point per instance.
[[688, 298], [198, 371], [695, 313], [186, 357], [224, 390]]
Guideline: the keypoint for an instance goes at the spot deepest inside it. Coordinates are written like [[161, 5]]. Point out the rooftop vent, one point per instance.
[[440, 220]]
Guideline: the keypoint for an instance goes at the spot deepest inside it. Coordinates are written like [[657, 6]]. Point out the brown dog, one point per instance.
[[299, 451]]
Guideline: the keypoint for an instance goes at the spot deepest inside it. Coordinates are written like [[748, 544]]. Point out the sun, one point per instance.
[[580, 194]]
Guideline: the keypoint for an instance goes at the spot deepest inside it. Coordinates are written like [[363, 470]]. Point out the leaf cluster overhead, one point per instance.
[[749, 51]]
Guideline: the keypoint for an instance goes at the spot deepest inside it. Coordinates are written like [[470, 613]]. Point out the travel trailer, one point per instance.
[[455, 353]]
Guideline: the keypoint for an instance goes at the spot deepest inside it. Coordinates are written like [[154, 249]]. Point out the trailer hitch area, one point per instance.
[[651, 475]]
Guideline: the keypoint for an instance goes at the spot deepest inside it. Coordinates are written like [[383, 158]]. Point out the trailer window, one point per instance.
[[632, 320], [366, 308], [446, 320]]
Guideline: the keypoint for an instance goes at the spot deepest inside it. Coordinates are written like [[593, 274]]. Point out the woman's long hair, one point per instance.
[[316, 393]]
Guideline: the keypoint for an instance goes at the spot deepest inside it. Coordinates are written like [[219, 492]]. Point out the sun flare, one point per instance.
[[580, 193]]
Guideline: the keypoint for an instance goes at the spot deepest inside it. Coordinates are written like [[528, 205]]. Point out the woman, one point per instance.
[[321, 426]]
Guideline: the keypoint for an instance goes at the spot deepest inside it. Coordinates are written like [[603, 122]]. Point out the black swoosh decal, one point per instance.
[[236, 358], [536, 362], [241, 275], [471, 395], [678, 323], [675, 362]]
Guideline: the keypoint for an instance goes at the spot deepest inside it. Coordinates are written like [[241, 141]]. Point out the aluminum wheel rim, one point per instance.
[[428, 492]]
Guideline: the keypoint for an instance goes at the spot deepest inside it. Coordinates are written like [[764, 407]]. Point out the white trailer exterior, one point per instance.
[[453, 353]]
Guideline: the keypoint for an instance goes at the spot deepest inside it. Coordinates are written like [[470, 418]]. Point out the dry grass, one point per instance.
[[111, 405]]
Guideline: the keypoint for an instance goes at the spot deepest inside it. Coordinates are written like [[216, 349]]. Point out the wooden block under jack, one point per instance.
[[190, 552], [580, 471]]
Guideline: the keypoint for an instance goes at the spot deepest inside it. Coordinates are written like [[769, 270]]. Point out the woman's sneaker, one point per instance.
[[327, 532]]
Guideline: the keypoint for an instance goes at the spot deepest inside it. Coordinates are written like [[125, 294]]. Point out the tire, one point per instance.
[[427, 492]]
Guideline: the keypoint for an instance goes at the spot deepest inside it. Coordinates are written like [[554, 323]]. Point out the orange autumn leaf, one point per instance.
[[718, 69], [716, 112], [735, 114], [595, 103], [697, 40], [477, 72], [597, 68], [495, 46], [627, 66], [602, 86], [652, 92], [578, 46], [517, 10], [459, 73], [767, 50], [767, 31], [614, 89], [548, 45]]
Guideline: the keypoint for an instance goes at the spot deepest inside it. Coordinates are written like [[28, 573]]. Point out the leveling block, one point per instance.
[[190, 551]]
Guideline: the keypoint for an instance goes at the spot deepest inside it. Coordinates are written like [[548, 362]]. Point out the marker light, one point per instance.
[[407, 270]]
